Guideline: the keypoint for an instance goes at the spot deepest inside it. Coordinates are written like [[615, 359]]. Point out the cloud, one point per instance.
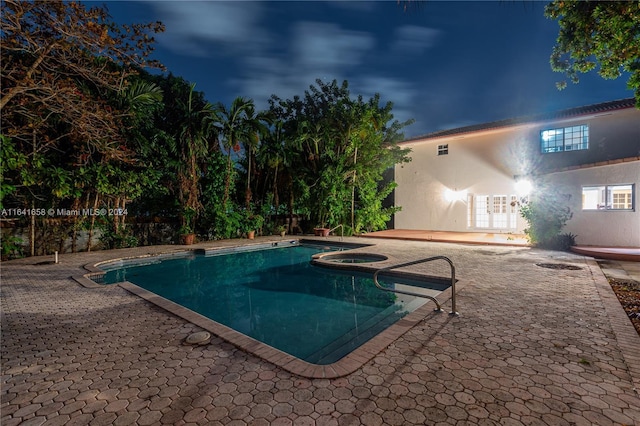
[[327, 47], [412, 39], [352, 5], [309, 51], [326, 51], [194, 28], [292, 60], [400, 92]]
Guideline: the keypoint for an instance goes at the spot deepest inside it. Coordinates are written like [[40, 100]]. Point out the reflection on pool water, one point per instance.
[[277, 297]]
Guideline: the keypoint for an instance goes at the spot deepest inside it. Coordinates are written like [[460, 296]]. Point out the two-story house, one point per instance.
[[471, 178]]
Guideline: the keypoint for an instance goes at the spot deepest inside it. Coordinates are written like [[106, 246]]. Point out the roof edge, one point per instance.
[[590, 165], [602, 107]]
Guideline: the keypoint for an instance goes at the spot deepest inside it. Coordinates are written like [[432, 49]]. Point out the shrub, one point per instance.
[[546, 219], [12, 247], [561, 242], [116, 239]]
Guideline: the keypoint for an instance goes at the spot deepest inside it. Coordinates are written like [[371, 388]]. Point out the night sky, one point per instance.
[[444, 64]]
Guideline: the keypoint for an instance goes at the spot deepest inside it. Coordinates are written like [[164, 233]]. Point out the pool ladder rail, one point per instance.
[[415, 262], [341, 231]]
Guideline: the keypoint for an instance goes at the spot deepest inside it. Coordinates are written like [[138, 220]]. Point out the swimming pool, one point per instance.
[[275, 296]]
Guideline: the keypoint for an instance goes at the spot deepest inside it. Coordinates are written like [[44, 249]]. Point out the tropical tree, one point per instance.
[[195, 131], [597, 33], [122, 182], [60, 61], [240, 127], [63, 65], [341, 147], [255, 131], [271, 159]]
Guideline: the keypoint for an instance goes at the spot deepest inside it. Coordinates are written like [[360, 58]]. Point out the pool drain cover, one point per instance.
[[559, 266], [199, 338]]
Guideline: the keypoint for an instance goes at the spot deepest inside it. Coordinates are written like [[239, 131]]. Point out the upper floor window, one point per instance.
[[443, 149], [565, 139], [608, 197]]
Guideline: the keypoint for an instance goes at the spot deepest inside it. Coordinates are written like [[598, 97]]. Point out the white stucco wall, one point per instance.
[[599, 227], [485, 164]]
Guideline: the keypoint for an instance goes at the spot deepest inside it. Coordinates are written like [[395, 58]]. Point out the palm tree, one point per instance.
[[194, 131], [140, 94], [240, 124], [272, 156], [136, 101]]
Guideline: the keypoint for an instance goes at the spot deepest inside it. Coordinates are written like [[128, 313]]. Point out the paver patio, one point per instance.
[[532, 346]]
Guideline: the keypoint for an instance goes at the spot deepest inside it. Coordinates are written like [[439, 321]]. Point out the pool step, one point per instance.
[[364, 332]]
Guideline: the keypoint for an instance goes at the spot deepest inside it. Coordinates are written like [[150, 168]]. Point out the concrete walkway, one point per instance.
[[627, 254], [532, 346], [481, 238]]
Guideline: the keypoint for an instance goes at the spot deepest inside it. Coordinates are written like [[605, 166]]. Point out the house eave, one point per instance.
[[572, 114]]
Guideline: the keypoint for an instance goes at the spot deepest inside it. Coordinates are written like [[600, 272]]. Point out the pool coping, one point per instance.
[[345, 366]]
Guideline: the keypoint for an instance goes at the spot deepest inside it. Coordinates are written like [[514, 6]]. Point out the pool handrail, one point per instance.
[[415, 262], [341, 231]]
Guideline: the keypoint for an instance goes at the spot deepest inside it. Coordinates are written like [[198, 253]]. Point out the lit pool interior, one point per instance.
[[275, 296]]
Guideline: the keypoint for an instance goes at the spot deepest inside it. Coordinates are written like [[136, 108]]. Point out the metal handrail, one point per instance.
[[415, 262], [341, 231]]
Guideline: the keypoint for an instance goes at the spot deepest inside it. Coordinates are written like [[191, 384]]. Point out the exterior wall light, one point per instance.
[[523, 186], [452, 196]]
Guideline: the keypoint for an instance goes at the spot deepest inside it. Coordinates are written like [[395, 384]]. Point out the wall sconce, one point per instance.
[[523, 186], [455, 195]]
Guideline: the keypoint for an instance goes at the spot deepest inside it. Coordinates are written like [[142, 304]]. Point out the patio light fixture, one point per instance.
[[455, 195], [523, 186]]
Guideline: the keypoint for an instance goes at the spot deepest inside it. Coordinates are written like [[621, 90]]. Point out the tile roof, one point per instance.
[[566, 113]]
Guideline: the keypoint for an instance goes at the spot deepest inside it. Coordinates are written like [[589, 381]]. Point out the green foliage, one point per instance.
[[546, 218], [240, 127], [10, 161], [252, 222], [112, 238], [339, 147], [226, 223], [12, 247], [219, 171], [592, 33], [188, 215], [562, 242], [372, 216]]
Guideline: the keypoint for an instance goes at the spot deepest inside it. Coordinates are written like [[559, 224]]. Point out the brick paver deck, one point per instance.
[[532, 346]]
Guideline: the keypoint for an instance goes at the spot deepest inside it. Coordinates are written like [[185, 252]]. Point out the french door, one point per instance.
[[493, 211]]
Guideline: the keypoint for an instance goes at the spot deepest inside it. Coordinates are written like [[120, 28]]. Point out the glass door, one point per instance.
[[494, 212]]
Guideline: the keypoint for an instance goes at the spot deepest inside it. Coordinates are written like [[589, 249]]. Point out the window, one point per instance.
[[443, 149], [566, 139], [608, 197]]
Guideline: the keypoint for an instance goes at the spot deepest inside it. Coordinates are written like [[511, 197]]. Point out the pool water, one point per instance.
[[277, 297]]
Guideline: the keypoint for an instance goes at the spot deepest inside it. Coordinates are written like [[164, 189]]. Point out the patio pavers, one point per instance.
[[531, 346]]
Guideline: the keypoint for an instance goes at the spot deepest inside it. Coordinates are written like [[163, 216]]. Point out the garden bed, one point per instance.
[[628, 293]]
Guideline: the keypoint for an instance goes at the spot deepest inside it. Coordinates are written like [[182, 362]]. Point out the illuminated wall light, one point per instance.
[[523, 186], [452, 196]]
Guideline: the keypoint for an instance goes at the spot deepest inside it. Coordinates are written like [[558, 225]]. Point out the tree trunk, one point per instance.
[[353, 189], [247, 194], [291, 206], [93, 221], [32, 233], [123, 216], [32, 223], [116, 225], [74, 236], [227, 180], [276, 198]]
